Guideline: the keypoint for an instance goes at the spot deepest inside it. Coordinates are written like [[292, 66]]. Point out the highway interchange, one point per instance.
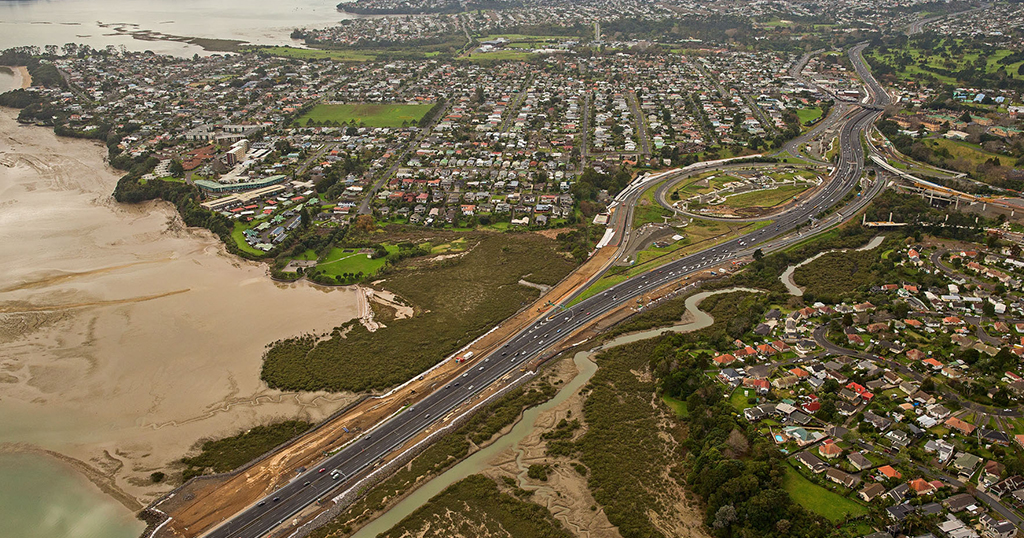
[[366, 452]]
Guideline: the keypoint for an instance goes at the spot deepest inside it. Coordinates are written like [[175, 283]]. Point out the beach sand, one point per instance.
[[126, 337], [22, 72]]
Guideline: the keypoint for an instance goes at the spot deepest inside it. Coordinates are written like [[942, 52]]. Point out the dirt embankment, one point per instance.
[[207, 503]]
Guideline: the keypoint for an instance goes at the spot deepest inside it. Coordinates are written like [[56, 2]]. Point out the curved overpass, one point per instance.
[[368, 451], [661, 193]]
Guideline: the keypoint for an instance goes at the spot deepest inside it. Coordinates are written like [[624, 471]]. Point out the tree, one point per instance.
[[365, 223], [725, 516], [177, 169], [988, 309], [758, 255]]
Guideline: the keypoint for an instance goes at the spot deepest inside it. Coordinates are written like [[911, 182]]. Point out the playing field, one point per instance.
[[315, 54], [808, 115], [370, 115]]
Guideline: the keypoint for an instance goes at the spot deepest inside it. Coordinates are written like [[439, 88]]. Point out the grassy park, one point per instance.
[[944, 65], [370, 115], [497, 55], [315, 54], [340, 261], [808, 116], [971, 152], [819, 500]]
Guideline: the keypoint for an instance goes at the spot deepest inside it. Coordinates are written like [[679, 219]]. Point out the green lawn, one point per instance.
[[648, 210], [497, 55], [309, 254], [739, 398], [678, 406], [767, 198], [932, 61], [371, 115], [315, 54], [808, 115], [338, 262], [699, 235], [819, 500], [236, 234], [972, 152], [1016, 425]]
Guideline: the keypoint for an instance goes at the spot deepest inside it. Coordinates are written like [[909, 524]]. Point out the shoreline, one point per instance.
[[106, 483], [26, 78], [21, 74], [119, 465]]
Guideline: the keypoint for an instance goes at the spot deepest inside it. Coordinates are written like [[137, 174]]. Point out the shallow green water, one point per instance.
[[43, 498]]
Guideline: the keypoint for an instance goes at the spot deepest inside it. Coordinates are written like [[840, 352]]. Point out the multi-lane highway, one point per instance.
[[326, 479]]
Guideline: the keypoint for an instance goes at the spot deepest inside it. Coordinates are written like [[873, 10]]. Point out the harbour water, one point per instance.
[[9, 80], [99, 23], [125, 337], [42, 498]]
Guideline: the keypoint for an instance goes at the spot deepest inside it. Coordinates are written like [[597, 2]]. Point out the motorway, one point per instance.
[[369, 450]]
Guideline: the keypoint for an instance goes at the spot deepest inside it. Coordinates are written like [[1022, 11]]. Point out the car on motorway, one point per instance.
[[322, 469]]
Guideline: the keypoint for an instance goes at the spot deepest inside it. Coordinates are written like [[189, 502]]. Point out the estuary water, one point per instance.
[[9, 80], [42, 499], [99, 23], [126, 337]]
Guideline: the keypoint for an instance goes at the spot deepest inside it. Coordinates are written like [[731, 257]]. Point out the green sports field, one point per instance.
[[370, 115]]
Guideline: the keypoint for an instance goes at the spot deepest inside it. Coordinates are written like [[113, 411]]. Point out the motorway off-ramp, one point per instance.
[[369, 450]]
